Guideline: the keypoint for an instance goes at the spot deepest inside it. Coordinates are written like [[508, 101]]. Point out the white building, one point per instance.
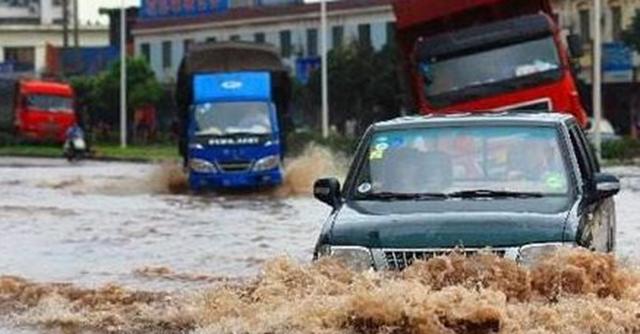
[[293, 28], [28, 26]]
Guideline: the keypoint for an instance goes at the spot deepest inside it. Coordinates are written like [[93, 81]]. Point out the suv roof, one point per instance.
[[520, 117]]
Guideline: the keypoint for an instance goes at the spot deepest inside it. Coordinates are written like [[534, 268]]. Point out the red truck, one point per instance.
[[42, 111], [487, 55]]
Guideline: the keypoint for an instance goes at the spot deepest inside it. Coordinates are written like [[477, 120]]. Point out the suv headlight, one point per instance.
[[356, 258], [202, 166], [532, 254], [267, 163]]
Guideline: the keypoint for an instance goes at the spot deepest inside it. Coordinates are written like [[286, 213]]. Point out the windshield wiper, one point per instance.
[[481, 193], [391, 196]]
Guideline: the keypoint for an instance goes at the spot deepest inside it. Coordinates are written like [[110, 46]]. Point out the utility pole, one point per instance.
[[65, 23], [597, 74], [325, 70], [123, 75], [76, 25]]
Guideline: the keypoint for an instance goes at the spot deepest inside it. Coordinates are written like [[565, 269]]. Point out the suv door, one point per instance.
[[597, 216]]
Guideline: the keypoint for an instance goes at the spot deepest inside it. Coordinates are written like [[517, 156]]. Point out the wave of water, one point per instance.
[[300, 173], [571, 292]]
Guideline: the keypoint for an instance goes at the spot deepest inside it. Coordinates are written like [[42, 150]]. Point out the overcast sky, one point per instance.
[[89, 8]]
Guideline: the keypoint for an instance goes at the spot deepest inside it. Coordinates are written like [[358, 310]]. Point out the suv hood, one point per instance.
[[448, 224]]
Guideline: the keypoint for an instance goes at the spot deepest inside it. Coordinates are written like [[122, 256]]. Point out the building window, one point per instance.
[[187, 45], [616, 23], [212, 39], [285, 43], [585, 24], [234, 38], [259, 37], [364, 34], [145, 51], [312, 42], [337, 33], [166, 54], [391, 33], [24, 57]]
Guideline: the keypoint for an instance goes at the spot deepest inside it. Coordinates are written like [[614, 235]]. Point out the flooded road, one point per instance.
[[97, 223], [93, 224]]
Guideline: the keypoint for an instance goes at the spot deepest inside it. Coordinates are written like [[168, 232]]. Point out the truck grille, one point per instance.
[[235, 166], [400, 259]]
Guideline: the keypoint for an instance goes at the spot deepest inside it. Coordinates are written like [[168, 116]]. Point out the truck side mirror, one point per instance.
[[328, 191], [574, 42], [606, 186]]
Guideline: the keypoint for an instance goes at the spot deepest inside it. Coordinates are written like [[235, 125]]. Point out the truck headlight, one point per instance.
[[202, 166], [267, 163], [356, 258], [532, 254]]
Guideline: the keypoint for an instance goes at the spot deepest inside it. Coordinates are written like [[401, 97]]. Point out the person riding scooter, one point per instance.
[[75, 146]]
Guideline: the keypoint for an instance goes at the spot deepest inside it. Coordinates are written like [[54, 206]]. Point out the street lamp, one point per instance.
[[325, 70], [123, 75], [597, 75]]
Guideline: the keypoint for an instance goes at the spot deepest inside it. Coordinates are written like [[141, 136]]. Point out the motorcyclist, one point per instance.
[[75, 143]]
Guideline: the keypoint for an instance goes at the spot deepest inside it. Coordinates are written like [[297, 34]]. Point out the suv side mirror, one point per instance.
[[328, 191], [607, 185], [575, 46]]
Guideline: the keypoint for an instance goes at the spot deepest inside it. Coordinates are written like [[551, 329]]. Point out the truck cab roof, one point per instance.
[[45, 87]]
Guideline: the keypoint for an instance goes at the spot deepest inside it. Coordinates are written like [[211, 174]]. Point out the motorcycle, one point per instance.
[[75, 146]]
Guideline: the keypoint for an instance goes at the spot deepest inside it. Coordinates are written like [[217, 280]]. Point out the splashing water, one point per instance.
[[300, 173], [571, 292], [314, 162]]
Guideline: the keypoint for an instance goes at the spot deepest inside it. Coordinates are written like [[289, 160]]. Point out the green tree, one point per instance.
[[142, 86], [100, 95], [364, 86]]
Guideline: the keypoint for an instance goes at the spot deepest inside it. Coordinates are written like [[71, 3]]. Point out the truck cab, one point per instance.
[[486, 55], [233, 99], [43, 111], [233, 132]]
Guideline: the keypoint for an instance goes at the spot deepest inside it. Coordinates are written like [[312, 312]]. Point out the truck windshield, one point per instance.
[[454, 79], [448, 161], [51, 103], [228, 118]]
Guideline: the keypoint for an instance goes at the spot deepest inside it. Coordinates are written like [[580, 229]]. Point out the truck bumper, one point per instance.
[[246, 180]]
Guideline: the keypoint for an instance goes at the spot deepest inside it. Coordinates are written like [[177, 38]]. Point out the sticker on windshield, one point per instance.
[[365, 188], [382, 147], [376, 155], [555, 182]]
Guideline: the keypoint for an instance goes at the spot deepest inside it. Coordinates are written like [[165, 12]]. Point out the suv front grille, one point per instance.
[[400, 259], [235, 166]]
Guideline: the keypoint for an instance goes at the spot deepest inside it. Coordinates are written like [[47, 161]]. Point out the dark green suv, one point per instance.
[[519, 185]]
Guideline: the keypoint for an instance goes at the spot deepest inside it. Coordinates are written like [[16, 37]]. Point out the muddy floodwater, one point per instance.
[[97, 223], [94, 223]]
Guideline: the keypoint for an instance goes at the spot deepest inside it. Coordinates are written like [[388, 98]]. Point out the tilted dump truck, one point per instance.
[[487, 55], [234, 109]]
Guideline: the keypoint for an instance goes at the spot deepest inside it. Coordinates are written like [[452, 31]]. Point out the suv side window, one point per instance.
[[593, 161], [586, 167]]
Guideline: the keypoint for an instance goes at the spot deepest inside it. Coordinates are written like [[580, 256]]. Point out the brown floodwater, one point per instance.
[[134, 253]]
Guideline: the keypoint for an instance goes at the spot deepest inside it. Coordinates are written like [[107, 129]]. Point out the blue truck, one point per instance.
[[233, 99]]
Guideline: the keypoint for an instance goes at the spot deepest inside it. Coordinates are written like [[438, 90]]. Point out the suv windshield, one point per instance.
[[451, 79], [228, 118], [49, 102], [464, 161]]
